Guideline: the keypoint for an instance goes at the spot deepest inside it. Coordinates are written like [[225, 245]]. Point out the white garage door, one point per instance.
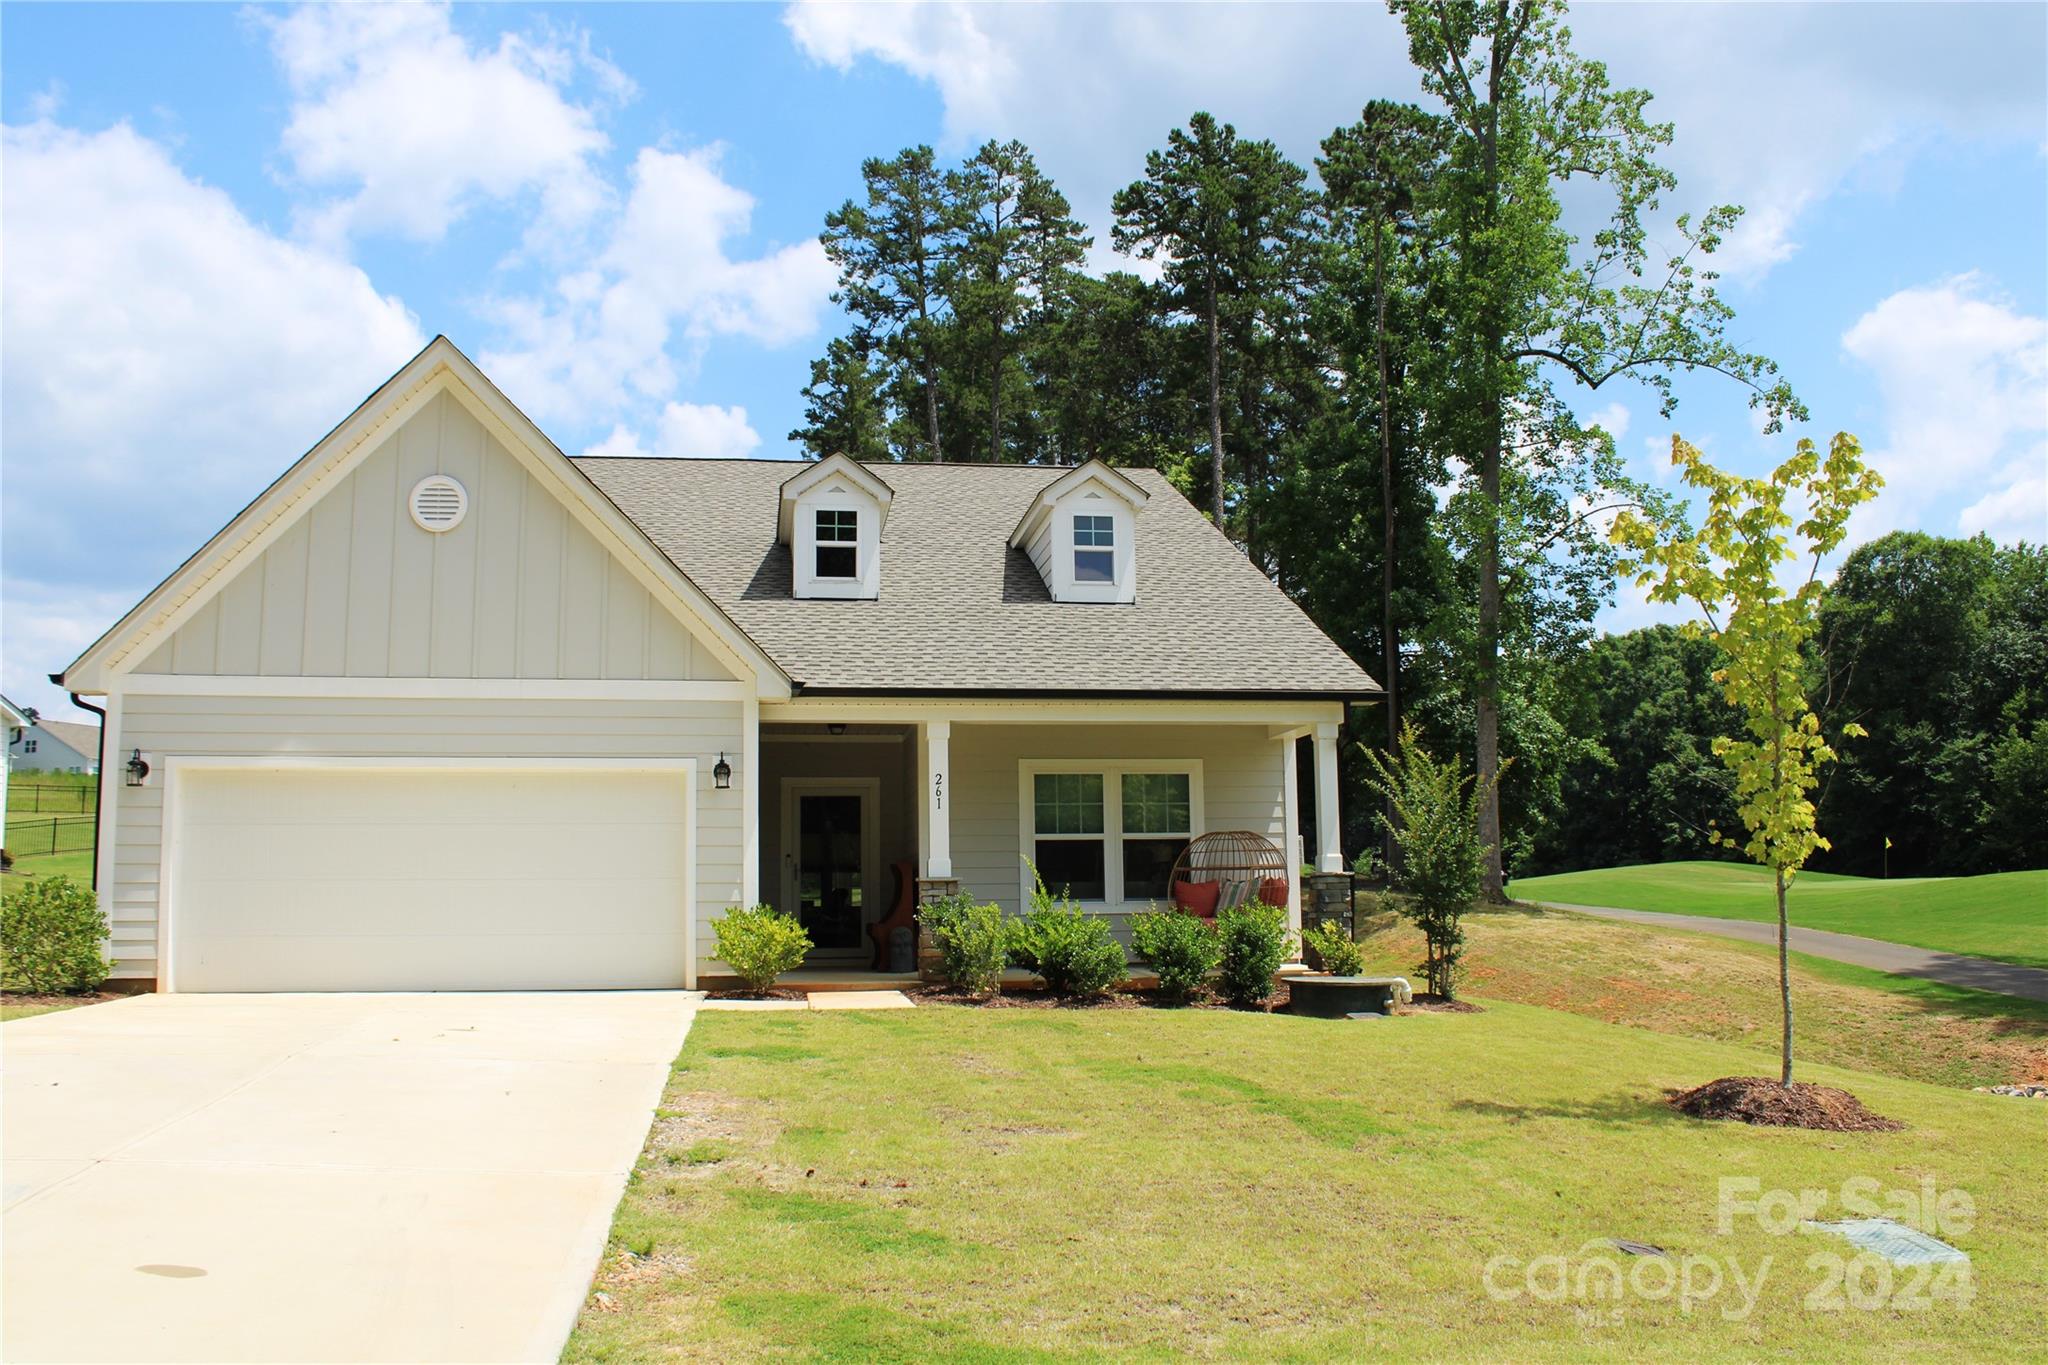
[[339, 878]]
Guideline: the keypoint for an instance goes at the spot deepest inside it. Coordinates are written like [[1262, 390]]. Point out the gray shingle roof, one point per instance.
[[960, 610]]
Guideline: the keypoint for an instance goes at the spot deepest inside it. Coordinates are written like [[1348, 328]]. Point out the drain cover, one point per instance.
[[1895, 1242]]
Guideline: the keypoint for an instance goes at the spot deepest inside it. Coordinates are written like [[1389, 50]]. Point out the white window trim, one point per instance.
[[836, 495], [1088, 501], [1112, 772], [818, 544]]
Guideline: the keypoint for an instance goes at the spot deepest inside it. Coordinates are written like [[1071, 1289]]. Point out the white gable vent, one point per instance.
[[439, 503]]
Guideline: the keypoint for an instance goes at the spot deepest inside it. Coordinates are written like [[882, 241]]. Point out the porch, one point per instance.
[[861, 808]]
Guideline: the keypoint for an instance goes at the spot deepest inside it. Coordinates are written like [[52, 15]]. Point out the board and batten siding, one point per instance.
[[356, 589], [1243, 777], [166, 726]]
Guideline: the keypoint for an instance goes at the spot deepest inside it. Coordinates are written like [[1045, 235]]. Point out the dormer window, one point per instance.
[[1081, 532], [831, 518], [1094, 548], [838, 548]]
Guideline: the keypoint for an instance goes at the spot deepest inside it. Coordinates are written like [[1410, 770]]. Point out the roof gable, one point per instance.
[[440, 369]]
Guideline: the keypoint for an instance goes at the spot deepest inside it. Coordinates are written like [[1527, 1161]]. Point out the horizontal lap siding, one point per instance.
[[167, 726], [1242, 785]]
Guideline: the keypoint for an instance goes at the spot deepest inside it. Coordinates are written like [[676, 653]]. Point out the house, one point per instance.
[[16, 720], [39, 745], [445, 708]]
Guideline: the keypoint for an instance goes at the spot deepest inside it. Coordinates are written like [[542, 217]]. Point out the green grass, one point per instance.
[[9, 1012], [1022, 1185], [2003, 915], [1699, 986], [77, 866]]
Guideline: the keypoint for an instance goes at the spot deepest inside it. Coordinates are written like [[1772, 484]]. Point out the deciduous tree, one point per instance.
[[1730, 570]]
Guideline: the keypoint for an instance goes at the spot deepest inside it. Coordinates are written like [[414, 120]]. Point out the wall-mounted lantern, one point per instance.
[[721, 773], [138, 769]]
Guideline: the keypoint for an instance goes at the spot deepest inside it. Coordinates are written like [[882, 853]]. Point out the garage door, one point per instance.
[[335, 878]]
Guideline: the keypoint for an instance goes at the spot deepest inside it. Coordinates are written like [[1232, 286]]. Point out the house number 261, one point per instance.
[[938, 791]]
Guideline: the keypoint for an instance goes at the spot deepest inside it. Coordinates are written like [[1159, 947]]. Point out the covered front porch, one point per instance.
[[862, 807]]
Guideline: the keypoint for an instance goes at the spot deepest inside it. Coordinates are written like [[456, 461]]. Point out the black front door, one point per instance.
[[831, 900]]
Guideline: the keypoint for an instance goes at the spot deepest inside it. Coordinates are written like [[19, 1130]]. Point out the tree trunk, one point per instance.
[[1216, 408], [995, 398], [1390, 649], [1494, 885], [931, 399], [1784, 983]]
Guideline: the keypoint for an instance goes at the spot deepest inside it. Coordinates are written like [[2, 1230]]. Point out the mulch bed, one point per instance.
[[1760, 1100], [779, 993], [1425, 1003], [1026, 1000]]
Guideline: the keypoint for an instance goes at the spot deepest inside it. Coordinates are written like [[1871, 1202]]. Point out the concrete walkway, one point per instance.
[[1951, 969], [319, 1178]]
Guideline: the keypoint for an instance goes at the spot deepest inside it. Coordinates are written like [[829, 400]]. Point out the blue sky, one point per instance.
[[224, 225]]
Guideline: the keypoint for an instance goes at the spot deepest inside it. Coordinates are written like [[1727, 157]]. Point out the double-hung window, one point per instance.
[[1110, 832], [838, 543], [1094, 548]]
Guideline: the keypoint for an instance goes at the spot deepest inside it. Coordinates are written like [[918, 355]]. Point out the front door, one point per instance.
[[829, 864]]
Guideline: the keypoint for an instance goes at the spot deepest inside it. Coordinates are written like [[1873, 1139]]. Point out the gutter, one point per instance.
[[98, 788], [1087, 694]]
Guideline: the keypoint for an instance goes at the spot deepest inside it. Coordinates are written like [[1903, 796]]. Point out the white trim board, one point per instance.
[[458, 689], [176, 765]]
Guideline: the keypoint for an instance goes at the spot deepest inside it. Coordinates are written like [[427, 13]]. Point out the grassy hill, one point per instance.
[[2003, 915]]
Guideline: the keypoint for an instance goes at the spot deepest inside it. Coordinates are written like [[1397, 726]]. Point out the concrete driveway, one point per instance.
[[333, 1178]]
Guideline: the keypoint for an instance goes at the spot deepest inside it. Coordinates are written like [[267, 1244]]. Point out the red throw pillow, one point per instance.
[[1273, 891], [1197, 898]]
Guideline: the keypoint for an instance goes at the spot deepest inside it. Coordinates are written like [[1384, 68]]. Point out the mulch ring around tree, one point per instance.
[[1762, 1101], [1425, 1003]]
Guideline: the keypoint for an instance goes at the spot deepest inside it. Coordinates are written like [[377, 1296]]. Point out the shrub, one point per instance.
[[760, 944], [1182, 949], [1070, 950], [971, 942], [1333, 949], [1436, 828], [50, 935], [1254, 940]]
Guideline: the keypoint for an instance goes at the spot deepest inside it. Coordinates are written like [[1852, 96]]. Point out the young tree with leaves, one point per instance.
[[1729, 570], [1229, 216], [1434, 819], [1528, 301]]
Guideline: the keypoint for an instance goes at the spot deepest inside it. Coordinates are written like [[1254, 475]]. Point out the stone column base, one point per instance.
[[1326, 899], [931, 889]]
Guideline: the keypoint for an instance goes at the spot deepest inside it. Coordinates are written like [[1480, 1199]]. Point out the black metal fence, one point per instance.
[[26, 798], [33, 837]]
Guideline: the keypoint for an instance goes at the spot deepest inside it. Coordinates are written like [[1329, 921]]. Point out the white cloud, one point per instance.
[[413, 125], [689, 431], [166, 358], [600, 342], [1964, 378], [46, 626]]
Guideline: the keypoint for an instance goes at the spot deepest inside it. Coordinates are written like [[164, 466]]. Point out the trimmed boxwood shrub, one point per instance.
[[971, 941], [1182, 949], [760, 944], [51, 932], [1070, 950], [1333, 949], [1254, 941]]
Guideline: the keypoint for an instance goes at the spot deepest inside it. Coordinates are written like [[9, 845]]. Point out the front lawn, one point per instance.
[[1013, 1184], [76, 865], [2002, 915], [1699, 986]]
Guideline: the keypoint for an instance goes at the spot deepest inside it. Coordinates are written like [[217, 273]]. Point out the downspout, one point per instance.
[[99, 786]]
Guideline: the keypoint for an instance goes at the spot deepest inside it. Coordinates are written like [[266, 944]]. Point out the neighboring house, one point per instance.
[[50, 746], [444, 708], [16, 720]]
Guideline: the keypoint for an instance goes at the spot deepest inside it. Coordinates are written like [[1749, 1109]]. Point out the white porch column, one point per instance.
[[937, 746], [1329, 839], [750, 802], [1290, 775]]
